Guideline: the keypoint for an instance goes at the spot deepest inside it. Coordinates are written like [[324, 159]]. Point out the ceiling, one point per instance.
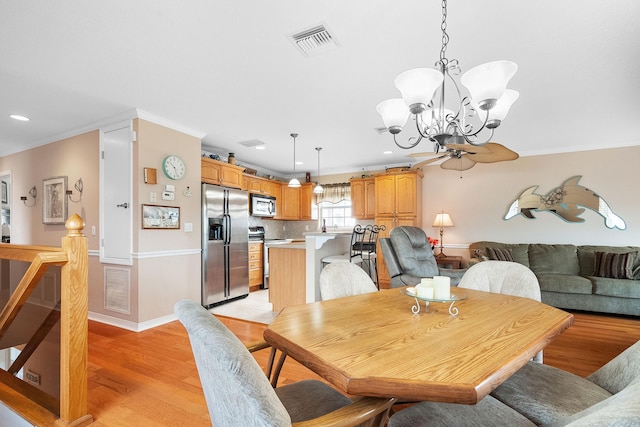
[[226, 71]]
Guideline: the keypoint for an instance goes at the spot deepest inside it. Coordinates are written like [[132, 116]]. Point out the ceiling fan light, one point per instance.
[[394, 114], [294, 183], [487, 82], [417, 87], [498, 113]]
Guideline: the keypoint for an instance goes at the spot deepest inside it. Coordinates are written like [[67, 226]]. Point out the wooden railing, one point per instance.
[[28, 401]]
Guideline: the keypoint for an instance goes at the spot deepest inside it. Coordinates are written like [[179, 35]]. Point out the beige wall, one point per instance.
[[477, 199]]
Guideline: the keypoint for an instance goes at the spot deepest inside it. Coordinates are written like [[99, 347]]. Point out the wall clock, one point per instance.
[[173, 167]]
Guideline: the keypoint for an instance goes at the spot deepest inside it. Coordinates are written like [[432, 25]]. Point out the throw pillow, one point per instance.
[[479, 254], [500, 254], [614, 266]]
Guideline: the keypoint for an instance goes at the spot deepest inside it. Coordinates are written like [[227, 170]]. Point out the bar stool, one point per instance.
[[355, 248]]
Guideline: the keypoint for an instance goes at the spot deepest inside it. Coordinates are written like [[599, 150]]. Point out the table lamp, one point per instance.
[[442, 220]]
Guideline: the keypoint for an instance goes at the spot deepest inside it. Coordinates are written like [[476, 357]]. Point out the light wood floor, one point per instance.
[[150, 379]]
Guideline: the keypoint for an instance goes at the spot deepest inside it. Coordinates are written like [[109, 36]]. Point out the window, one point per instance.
[[336, 215]]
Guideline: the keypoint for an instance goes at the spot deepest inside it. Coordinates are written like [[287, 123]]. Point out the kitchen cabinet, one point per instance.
[[295, 203], [220, 173], [398, 202], [258, 185], [256, 271], [363, 198]]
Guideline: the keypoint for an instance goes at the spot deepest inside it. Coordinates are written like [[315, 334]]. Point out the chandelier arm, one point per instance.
[[408, 146], [477, 144]]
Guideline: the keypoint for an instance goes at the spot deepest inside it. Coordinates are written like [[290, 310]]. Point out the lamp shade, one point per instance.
[[442, 220], [318, 189], [394, 113], [417, 86], [488, 81], [294, 183]]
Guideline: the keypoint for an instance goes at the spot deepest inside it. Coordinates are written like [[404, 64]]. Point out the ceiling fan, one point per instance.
[[461, 157]]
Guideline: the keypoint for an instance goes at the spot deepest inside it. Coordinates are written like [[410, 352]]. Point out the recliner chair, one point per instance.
[[409, 257]]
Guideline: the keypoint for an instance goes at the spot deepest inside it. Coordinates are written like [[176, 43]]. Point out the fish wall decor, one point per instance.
[[564, 201]]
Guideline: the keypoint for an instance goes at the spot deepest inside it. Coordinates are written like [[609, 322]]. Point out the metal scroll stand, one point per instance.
[[415, 309]]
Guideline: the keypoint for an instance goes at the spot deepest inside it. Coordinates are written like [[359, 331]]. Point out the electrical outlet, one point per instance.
[[32, 377]]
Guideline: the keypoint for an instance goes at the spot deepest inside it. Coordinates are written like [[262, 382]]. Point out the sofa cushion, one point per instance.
[[623, 288], [586, 257], [564, 283], [545, 394], [500, 254], [615, 266], [518, 250], [560, 259]]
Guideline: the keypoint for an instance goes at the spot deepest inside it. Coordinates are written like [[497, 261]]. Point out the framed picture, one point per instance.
[[160, 217], [54, 204], [3, 188]]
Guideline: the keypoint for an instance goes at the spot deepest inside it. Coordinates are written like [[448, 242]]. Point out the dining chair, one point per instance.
[[238, 393], [503, 277], [343, 279], [354, 255]]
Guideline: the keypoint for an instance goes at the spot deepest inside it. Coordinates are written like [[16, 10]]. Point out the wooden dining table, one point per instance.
[[373, 345]]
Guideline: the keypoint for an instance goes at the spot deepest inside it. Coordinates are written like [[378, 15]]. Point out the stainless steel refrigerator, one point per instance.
[[225, 249]]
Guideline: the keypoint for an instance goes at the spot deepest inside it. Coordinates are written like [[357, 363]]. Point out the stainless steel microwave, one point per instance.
[[262, 205]]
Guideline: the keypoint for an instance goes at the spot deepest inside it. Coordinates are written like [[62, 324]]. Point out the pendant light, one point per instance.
[[318, 188], [294, 183]]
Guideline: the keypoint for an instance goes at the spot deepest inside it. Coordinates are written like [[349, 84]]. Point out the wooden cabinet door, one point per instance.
[[369, 198], [290, 202], [231, 176], [406, 195], [210, 172], [358, 198], [385, 195], [306, 199]]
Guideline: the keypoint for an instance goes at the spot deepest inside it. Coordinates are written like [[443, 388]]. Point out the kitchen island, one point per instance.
[[295, 267]]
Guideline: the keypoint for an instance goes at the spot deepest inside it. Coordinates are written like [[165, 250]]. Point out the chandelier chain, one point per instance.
[[445, 36]]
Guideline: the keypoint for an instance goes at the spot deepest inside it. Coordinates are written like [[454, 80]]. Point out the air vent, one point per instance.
[[251, 143], [314, 41]]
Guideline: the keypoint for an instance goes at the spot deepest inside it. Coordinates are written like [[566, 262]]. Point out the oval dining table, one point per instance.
[[373, 345]]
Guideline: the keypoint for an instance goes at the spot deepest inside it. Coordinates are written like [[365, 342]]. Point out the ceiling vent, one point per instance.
[[251, 143], [314, 41]]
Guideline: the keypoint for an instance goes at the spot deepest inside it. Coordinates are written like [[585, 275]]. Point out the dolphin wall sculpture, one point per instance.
[[564, 201]]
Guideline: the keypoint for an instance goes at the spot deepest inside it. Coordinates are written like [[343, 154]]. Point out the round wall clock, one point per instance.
[[174, 167]]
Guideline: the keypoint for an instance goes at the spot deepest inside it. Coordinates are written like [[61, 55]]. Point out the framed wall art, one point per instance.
[[54, 203], [160, 217]]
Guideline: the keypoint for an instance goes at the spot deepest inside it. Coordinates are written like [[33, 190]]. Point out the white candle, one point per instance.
[[425, 289], [442, 285]]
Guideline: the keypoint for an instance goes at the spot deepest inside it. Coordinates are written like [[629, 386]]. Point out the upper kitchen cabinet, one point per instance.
[[295, 203], [258, 185], [220, 173], [363, 198]]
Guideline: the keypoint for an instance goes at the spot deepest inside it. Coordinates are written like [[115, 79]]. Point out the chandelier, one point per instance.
[[423, 97]]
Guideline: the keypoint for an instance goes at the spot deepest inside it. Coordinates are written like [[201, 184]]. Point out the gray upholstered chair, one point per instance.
[[342, 279], [502, 277], [238, 393], [409, 257], [543, 395]]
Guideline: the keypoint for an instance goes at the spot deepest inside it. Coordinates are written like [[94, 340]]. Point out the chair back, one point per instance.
[[343, 279], [236, 389], [619, 372], [358, 242], [413, 251], [502, 277]]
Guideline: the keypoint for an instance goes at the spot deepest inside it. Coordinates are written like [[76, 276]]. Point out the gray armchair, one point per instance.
[[238, 393], [409, 257]]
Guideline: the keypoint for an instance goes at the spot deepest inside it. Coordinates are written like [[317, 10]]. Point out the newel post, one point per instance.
[[74, 327]]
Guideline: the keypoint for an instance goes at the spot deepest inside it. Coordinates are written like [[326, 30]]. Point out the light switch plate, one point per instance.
[[167, 195], [169, 187]]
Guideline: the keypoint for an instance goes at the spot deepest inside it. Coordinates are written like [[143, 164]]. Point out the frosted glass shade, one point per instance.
[[294, 183], [488, 81], [502, 107], [417, 86], [318, 189], [394, 114]]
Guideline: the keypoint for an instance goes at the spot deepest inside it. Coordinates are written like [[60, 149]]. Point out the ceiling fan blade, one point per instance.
[[426, 162], [468, 148], [422, 154], [497, 153], [456, 163]]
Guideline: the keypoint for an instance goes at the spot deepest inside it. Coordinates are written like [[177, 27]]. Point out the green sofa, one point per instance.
[[568, 277]]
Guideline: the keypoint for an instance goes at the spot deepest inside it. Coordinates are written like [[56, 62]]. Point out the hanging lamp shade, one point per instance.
[[394, 114], [501, 109], [486, 82], [294, 183], [417, 87]]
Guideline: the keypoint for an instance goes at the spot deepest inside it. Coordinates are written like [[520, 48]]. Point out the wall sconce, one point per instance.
[[79, 187], [33, 193]]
